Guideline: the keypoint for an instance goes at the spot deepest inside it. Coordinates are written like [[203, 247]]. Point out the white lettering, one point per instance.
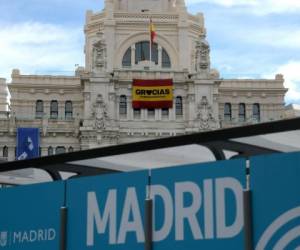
[[188, 213], [17, 237], [24, 237], [180, 213], [208, 209], [163, 192], [131, 206], [109, 216], [32, 235], [233, 185], [51, 234]]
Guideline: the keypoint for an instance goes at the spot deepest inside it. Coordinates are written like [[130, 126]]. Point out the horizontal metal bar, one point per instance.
[[196, 138]]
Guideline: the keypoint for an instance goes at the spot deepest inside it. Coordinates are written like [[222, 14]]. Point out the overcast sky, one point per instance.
[[248, 38]]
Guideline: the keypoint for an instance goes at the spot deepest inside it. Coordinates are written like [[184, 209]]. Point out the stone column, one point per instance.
[[61, 110], [191, 116], [87, 104], [159, 56], [157, 114], [129, 108], [11, 153], [172, 114], [109, 34], [132, 55]]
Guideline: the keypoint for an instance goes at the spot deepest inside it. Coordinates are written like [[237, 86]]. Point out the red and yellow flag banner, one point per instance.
[[152, 31], [150, 94]]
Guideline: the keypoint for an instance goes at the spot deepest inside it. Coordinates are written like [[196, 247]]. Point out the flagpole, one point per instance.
[[150, 43]]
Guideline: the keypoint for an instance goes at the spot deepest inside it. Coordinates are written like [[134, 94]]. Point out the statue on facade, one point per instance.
[[100, 113], [205, 115], [202, 59], [99, 54]]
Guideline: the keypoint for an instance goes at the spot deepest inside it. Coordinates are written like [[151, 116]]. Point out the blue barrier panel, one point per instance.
[[275, 185], [30, 216], [199, 206], [107, 212]]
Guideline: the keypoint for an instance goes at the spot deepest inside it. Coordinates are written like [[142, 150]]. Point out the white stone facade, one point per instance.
[[88, 113]]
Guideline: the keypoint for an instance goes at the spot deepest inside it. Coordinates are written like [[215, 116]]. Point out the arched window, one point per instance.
[[50, 150], [178, 106], [165, 60], [126, 61], [39, 109], [71, 149], [123, 105], [242, 112], [142, 52], [60, 150], [227, 112], [54, 109], [5, 151], [256, 112], [68, 110]]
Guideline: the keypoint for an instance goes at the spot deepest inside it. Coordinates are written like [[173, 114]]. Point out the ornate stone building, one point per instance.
[[94, 107]]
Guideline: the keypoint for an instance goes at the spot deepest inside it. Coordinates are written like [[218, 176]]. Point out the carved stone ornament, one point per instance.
[[205, 115], [100, 114], [202, 60], [99, 55]]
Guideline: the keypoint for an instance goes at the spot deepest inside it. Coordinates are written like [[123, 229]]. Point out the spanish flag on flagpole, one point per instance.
[[152, 31]]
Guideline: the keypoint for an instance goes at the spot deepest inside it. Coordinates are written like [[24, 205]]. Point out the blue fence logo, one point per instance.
[[30, 216], [276, 201], [276, 226]]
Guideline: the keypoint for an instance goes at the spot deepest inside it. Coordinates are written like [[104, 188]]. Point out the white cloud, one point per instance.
[[257, 6], [228, 3], [291, 72], [35, 47], [286, 37]]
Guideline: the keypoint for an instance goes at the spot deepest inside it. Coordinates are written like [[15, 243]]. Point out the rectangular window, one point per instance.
[[54, 110], [242, 112], [137, 113], [123, 105], [227, 112], [178, 106], [165, 113], [39, 109], [151, 113]]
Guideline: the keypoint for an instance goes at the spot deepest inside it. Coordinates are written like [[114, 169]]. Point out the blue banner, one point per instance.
[[275, 186], [30, 216], [199, 206], [28, 143], [107, 212]]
